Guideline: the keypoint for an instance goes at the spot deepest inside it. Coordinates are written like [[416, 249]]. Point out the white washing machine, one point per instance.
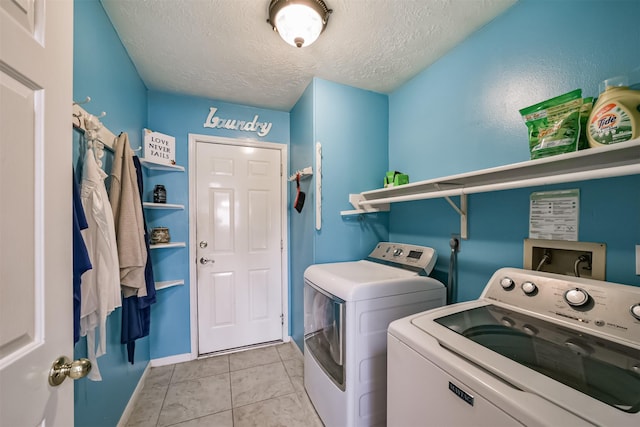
[[348, 307], [536, 349]]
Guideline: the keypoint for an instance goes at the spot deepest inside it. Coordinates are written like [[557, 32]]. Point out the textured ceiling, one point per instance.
[[225, 50]]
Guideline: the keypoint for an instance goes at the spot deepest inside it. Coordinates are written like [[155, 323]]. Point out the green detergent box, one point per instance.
[[395, 178]]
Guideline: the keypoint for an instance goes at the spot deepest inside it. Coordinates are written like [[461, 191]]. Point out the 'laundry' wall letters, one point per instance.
[[261, 128]]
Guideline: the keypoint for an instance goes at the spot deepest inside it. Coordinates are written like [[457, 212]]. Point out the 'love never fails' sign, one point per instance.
[[159, 148]]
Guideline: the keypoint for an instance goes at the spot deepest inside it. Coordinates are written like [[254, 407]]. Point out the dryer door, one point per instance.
[[324, 330]]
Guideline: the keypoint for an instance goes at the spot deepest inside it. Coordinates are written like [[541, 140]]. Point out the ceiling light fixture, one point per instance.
[[299, 22]]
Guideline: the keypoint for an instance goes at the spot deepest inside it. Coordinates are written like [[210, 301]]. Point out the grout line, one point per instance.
[[294, 393], [164, 399], [230, 392]]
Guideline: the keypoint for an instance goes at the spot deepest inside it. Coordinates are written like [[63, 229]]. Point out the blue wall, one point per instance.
[[103, 71], [179, 115], [352, 126], [461, 114], [302, 232]]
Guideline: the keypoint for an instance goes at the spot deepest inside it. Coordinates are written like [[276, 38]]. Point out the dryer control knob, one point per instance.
[[507, 283], [529, 288], [635, 311], [576, 297]]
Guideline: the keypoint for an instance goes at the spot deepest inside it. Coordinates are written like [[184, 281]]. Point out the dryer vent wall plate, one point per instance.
[[583, 259]]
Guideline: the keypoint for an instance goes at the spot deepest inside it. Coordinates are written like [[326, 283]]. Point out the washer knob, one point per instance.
[[578, 347], [507, 283], [397, 252], [635, 311], [508, 322], [576, 297], [529, 288]]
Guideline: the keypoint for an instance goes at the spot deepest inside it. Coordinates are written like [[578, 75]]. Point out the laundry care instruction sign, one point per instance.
[[554, 215], [159, 148]]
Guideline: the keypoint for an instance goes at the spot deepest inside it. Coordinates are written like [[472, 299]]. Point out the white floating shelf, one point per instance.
[[149, 205], [615, 160], [168, 245], [158, 166], [362, 211], [168, 284]]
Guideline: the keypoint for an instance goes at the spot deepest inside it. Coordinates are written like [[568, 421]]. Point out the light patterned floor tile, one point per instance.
[[251, 358], [265, 387], [200, 368], [191, 399], [294, 367], [259, 383], [280, 411], [159, 376], [148, 406], [289, 351], [310, 412], [221, 419]]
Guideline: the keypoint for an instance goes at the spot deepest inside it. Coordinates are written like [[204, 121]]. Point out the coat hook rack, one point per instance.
[[304, 173], [91, 125], [86, 101]]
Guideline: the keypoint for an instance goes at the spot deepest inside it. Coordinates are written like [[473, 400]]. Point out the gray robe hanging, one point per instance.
[[127, 213]]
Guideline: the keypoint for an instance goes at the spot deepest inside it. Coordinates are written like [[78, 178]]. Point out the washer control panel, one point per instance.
[[603, 307], [419, 258]]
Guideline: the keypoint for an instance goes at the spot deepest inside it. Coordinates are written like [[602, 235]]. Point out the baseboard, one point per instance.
[[170, 360], [296, 346], [124, 418]]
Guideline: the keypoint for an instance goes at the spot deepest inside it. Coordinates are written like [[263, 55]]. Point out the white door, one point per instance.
[[238, 246], [36, 59]]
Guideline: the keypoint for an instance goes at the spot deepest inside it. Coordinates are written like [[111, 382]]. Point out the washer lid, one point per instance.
[[364, 279], [537, 355]]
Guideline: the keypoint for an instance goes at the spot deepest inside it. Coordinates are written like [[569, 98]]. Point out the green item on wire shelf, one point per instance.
[[395, 178]]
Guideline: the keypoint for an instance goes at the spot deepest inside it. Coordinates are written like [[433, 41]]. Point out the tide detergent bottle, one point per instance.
[[616, 114]]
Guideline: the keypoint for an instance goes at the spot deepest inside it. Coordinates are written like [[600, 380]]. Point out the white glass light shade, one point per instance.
[[299, 25]]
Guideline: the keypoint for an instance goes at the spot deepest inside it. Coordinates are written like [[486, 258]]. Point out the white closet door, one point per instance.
[[36, 59]]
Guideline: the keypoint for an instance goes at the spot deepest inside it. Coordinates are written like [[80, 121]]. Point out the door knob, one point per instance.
[[204, 260], [63, 367]]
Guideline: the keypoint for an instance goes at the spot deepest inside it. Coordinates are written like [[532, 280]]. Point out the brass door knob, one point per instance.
[[63, 367]]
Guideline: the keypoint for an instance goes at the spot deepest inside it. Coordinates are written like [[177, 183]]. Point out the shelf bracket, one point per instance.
[[462, 211]]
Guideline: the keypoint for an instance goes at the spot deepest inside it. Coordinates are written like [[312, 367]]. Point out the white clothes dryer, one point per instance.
[[348, 307], [536, 349]]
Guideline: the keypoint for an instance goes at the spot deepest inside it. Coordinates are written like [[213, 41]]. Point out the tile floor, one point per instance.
[[260, 387]]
